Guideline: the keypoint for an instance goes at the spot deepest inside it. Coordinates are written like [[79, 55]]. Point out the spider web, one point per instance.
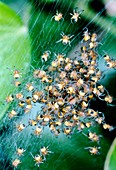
[[66, 150]]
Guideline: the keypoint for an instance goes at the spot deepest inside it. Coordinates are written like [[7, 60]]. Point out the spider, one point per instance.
[[71, 90], [88, 124], [86, 35], [21, 103], [45, 151], [12, 114], [46, 117], [107, 126], [9, 98], [106, 57], [38, 159], [19, 96], [75, 16], [108, 99], [99, 120], [20, 151], [37, 131], [111, 64], [93, 137], [36, 96], [29, 87], [92, 45], [32, 122], [58, 16], [20, 127], [92, 113], [16, 74], [84, 104], [45, 55], [17, 83], [65, 39], [93, 150], [67, 131], [94, 37], [15, 163]]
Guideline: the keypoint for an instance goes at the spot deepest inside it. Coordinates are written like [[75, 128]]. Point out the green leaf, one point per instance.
[[110, 163], [14, 51]]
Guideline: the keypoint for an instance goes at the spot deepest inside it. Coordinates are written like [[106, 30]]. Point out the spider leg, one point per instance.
[[59, 41]]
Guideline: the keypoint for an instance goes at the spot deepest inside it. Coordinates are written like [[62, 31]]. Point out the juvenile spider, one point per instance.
[[93, 150], [20, 151], [65, 39], [29, 87], [93, 45], [38, 159], [67, 131], [32, 122], [111, 64], [16, 74], [9, 98], [37, 131], [58, 16], [20, 127], [86, 35], [107, 126], [93, 137], [75, 16], [45, 151], [15, 163], [94, 37], [108, 99], [17, 83], [19, 96], [21, 103], [106, 57], [99, 120], [45, 56], [12, 114]]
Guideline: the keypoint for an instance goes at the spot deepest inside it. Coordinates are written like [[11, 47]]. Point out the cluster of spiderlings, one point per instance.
[[38, 158], [69, 84]]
